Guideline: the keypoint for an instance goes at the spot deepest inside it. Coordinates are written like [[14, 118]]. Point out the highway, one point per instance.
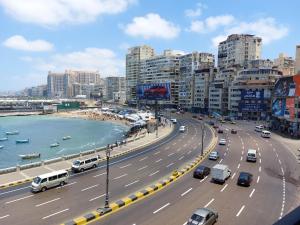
[[272, 194], [85, 192]]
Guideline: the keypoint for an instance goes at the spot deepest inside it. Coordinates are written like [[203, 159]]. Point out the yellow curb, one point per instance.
[[80, 220], [127, 200], [114, 206]]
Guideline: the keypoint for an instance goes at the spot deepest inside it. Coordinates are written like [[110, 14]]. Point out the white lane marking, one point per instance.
[[122, 167], [241, 158], [170, 165], [240, 211], [171, 154], [93, 199], [44, 203], [181, 158], [209, 203], [16, 200], [178, 150], [279, 161], [150, 175], [120, 176], [158, 160], [203, 179], [93, 186], [2, 217], [144, 167], [224, 188], [46, 217], [259, 154], [220, 160], [250, 196], [156, 153], [184, 145], [184, 193], [225, 153], [242, 152], [69, 184], [257, 179], [239, 166], [174, 143], [143, 158], [276, 154], [98, 175], [233, 176], [185, 223], [161, 208], [259, 160], [167, 147], [3, 193], [282, 171], [127, 185], [189, 152], [259, 169], [283, 197]]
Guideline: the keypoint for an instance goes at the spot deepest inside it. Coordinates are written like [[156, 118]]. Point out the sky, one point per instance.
[[37, 36]]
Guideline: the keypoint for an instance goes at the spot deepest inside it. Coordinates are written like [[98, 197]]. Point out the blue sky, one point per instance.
[[39, 35]]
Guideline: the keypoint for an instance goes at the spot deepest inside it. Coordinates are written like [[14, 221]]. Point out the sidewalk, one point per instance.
[[22, 176]]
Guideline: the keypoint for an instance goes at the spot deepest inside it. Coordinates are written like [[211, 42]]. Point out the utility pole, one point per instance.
[[156, 117], [202, 138], [106, 206]]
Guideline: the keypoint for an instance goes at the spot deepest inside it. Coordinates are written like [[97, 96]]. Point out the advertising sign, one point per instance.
[[296, 79], [290, 108], [154, 91], [284, 87], [278, 107], [252, 94], [252, 107]]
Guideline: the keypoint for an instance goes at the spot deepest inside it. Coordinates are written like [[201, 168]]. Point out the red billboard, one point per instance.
[[296, 79], [290, 108]]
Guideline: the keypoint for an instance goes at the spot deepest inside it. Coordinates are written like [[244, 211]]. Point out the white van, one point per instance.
[[266, 134], [259, 128], [251, 155], [48, 180], [220, 173], [182, 129], [81, 165], [174, 120]]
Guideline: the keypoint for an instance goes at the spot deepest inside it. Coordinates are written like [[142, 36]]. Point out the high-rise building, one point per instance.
[[188, 64], [56, 85], [237, 50], [285, 64], [162, 69], [297, 63], [133, 59], [113, 85]]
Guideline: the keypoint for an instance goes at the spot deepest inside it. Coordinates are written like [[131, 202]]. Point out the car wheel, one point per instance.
[[62, 183], [43, 189], [94, 166], [81, 170]]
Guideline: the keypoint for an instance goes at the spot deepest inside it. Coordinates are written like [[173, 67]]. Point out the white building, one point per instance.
[[285, 64], [114, 85], [297, 62]]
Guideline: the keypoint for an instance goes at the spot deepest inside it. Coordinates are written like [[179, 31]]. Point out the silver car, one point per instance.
[[203, 216]]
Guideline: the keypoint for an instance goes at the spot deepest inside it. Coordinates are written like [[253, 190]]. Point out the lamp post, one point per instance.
[[202, 138], [106, 206]]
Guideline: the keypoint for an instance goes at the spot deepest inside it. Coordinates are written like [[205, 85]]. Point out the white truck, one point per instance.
[[220, 173]]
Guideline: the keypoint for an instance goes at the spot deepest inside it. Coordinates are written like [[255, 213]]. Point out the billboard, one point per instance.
[[252, 107], [154, 91], [285, 87], [278, 107], [290, 108], [252, 94]]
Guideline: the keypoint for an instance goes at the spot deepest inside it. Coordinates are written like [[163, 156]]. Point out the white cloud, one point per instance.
[[266, 28], [104, 60], [20, 43], [152, 26], [211, 23], [55, 12], [195, 12]]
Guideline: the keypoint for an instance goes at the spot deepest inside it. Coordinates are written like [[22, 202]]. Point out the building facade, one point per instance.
[[114, 85], [297, 60], [285, 64], [133, 60]]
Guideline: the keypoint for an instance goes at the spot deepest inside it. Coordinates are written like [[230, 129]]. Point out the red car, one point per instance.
[[156, 91]]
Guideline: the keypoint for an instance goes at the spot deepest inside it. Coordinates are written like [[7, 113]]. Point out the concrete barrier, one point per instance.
[[49, 161], [8, 170], [100, 149], [71, 156], [30, 165], [88, 152]]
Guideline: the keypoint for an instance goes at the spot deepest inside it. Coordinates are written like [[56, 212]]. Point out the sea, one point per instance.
[[44, 130]]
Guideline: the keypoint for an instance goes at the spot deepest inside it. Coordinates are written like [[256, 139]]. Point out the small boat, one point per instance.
[[1, 146], [31, 156], [12, 132], [22, 141], [66, 138], [54, 145], [4, 139]]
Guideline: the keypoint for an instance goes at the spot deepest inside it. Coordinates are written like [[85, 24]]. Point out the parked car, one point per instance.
[[203, 216], [201, 172], [245, 179], [223, 121], [233, 131], [222, 141], [214, 155], [220, 173], [232, 122], [211, 123], [216, 126], [200, 118], [220, 131], [194, 116]]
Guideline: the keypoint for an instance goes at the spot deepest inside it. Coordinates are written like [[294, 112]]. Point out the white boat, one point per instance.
[[31, 156], [12, 132], [66, 138], [54, 145], [22, 141], [1, 146], [4, 139]]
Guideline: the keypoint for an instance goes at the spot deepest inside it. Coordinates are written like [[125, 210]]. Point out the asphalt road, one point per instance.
[[272, 194], [85, 192]]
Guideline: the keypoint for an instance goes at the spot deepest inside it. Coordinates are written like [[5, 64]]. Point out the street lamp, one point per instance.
[[107, 152], [202, 138]]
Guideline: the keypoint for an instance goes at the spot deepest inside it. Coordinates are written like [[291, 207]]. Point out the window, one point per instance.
[[62, 175], [44, 180], [88, 161], [53, 178], [94, 159]]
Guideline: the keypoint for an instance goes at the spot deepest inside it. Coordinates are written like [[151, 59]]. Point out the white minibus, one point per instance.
[[266, 134]]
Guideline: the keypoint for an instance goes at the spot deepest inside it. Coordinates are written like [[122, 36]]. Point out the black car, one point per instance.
[[211, 123], [233, 131], [245, 179], [201, 172], [220, 131]]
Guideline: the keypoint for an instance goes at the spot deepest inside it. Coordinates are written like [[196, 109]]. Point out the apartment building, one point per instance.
[[133, 61], [285, 64], [114, 85], [297, 60]]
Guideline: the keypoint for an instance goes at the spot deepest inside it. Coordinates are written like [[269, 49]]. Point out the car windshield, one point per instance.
[[197, 218], [76, 163], [251, 155], [37, 180], [200, 169], [213, 153], [244, 176]]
